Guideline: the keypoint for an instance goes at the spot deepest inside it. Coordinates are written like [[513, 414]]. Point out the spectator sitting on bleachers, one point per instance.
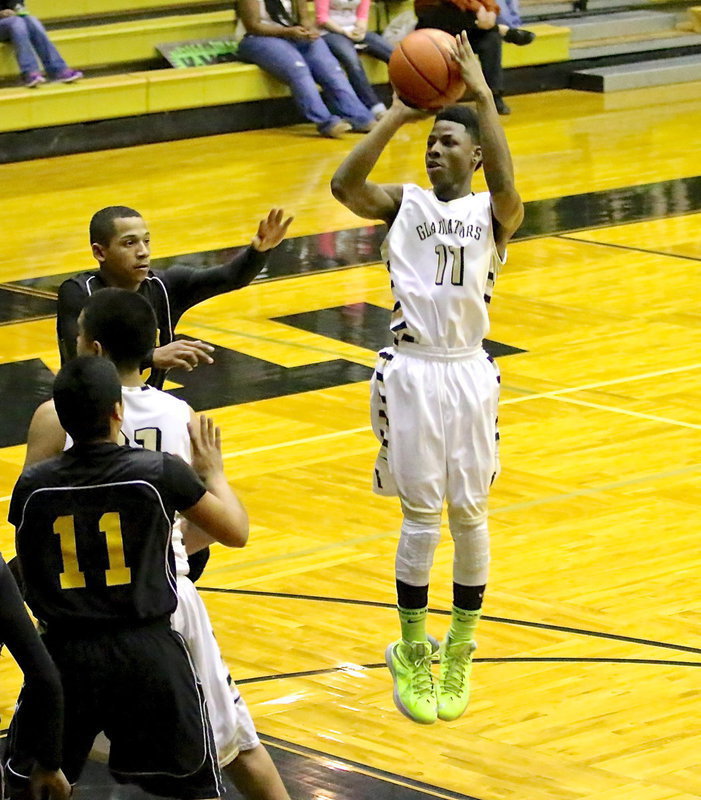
[[479, 19], [509, 22], [281, 39], [344, 26], [30, 40], [510, 17]]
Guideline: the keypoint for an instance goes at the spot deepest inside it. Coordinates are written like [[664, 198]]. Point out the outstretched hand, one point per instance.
[[271, 231], [182, 354], [205, 442], [408, 113], [470, 68]]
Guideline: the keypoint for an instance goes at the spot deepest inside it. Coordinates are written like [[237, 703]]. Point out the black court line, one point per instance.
[[354, 247], [307, 773], [444, 612], [16, 287], [364, 769], [570, 238], [657, 662]]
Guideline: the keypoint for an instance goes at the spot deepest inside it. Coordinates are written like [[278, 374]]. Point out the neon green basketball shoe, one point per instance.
[[454, 685], [414, 692]]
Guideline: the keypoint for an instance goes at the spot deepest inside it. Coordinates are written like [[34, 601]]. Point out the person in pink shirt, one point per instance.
[[344, 26]]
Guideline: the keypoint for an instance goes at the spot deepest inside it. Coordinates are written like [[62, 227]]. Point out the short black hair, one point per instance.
[[102, 223], [464, 115], [85, 391], [123, 322]]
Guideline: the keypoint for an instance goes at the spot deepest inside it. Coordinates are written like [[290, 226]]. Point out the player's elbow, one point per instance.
[[242, 530], [508, 209], [339, 189], [235, 532]]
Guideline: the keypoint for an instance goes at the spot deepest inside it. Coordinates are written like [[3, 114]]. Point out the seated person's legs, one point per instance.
[[13, 29], [377, 46], [337, 88], [282, 59], [344, 50]]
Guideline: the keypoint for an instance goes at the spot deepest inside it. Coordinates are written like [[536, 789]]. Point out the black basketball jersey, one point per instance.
[[74, 291], [93, 530], [170, 292]]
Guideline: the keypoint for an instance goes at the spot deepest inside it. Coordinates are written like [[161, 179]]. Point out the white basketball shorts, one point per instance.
[[435, 414], [231, 721]]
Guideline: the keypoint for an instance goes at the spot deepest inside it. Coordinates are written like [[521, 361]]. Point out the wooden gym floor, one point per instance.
[[587, 682]]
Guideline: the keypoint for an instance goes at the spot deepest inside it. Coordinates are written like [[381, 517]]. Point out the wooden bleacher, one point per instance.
[[141, 83], [50, 10]]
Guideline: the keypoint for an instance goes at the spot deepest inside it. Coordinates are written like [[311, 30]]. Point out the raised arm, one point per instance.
[[219, 513], [187, 286], [195, 538], [507, 207], [350, 184]]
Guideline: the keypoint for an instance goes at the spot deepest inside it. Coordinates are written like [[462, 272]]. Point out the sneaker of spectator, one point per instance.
[[32, 46], [67, 76], [280, 37], [517, 36], [343, 25], [33, 79]]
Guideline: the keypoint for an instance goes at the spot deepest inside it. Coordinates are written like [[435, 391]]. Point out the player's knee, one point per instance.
[[462, 518], [421, 515], [16, 28], [417, 545], [471, 537]]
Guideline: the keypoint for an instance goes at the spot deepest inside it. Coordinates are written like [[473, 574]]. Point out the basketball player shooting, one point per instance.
[[435, 392]]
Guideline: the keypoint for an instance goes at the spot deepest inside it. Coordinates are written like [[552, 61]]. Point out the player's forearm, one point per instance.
[[239, 272], [195, 538], [246, 266], [187, 286], [237, 516], [496, 157]]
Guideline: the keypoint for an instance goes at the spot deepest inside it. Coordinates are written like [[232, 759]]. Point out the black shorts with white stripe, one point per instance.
[[138, 685]]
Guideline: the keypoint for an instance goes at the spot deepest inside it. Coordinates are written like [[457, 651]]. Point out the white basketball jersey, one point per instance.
[[443, 262], [156, 420]]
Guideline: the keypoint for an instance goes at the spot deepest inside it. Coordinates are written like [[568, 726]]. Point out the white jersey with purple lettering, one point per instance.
[[443, 262], [435, 392]]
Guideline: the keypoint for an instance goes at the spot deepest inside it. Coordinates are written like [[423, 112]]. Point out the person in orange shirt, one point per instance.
[[479, 18]]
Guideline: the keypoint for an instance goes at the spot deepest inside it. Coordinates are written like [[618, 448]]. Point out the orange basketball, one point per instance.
[[423, 72]]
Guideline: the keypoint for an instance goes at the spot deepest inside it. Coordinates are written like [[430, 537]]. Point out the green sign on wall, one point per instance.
[[200, 52]]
